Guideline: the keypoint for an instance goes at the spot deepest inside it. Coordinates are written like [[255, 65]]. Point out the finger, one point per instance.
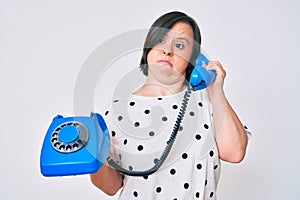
[[205, 66], [216, 66], [212, 66]]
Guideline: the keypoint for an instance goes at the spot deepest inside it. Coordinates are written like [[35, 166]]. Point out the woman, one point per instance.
[[210, 131]]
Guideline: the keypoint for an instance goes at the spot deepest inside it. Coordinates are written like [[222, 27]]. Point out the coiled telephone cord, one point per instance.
[[167, 149]]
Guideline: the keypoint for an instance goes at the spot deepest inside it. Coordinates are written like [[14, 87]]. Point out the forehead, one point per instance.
[[181, 29]]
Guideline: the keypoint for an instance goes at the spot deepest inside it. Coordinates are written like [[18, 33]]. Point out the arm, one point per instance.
[[107, 179], [231, 136]]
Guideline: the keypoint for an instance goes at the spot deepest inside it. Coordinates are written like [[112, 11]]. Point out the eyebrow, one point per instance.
[[184, 38]]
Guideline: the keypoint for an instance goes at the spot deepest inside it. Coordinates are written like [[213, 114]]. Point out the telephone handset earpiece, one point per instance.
[[200, 77]]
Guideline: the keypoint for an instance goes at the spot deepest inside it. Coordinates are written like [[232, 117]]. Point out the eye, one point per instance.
[[179, 45], [162, 41]]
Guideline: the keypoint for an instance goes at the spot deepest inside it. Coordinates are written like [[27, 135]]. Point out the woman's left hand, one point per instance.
[[217, 85]]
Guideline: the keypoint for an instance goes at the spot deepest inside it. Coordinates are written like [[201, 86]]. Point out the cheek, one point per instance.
[[183, 57], [181, 67], [182, 63], [152, 55]]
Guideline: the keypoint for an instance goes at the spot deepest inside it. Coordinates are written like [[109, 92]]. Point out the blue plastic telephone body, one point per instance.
[[200, 77], [74, 145]]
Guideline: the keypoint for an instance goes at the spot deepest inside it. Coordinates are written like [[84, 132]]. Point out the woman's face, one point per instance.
[[168, 60]]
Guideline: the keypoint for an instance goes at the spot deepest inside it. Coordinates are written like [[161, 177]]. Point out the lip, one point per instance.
[[165, 62]]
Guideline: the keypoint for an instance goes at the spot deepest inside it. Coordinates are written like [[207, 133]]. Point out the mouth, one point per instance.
[[165, 62]]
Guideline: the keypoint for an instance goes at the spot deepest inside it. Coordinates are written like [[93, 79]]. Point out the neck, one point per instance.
[[151, 88]]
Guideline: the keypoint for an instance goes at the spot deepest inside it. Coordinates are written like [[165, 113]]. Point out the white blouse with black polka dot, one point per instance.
[[139, 129]]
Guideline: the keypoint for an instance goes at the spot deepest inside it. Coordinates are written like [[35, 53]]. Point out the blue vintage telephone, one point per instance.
[[74, 145], [80, 145]]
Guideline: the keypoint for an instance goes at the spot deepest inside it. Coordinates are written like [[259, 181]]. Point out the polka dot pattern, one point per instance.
[[199, 166], [151, 133], [136, 124], [172, 171], [206, 126], [149, 124], [184, 155], [164, 119], [198, 137], [158, 189], [186, 186], [140, 147], [113, 133]]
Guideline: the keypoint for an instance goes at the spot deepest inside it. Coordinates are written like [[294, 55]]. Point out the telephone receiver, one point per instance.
[[200, 77], [81, 144]]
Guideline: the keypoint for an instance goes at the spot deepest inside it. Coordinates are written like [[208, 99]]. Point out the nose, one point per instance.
[[167, 50]]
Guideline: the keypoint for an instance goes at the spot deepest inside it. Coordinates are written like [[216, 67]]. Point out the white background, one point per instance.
[[43, 45]]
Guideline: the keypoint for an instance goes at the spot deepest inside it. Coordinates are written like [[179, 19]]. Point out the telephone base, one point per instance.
[[65, 153]]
